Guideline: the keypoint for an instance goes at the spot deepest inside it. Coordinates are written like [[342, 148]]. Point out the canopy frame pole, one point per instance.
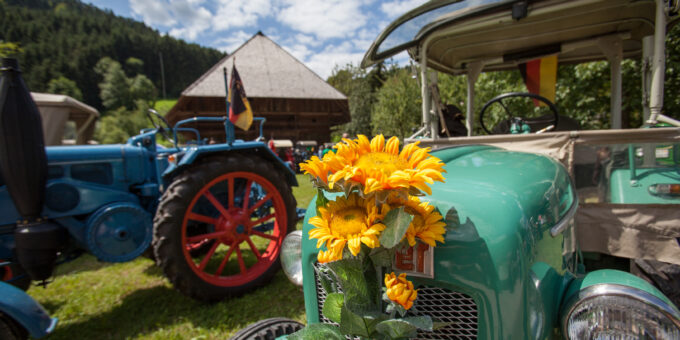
[[658, 63], [612, 47], [474, 69], [425, 90]]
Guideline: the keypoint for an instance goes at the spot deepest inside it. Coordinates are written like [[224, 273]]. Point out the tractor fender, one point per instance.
[[195, 154], [616, 278], [25, 311]]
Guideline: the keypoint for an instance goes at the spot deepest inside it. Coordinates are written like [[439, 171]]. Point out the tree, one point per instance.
[[353, 82], [63, 85], [397, 111], [127, 100], [9, 49], [118, 125]]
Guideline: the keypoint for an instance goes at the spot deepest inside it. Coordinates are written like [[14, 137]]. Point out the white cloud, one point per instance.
[[187, 18], [393, 9], [153, 12], [240, 13], [233, 41], [325, 19], [307, 40], [194, 18], [299, 51], [323, 63]]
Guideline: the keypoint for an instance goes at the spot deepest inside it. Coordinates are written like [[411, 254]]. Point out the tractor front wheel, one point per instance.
[[268, 329], [10, 330], [220, 224]]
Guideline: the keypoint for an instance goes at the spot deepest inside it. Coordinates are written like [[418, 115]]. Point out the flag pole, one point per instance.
[[228, 125]]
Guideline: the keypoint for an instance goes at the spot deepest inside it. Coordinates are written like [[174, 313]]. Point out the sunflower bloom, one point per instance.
[[377, 165], [315, 167], [427, 224], [400, 290], [347, 221]]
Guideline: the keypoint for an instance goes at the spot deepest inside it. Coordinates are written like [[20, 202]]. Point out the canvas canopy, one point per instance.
[[56, 110], [647, 231]]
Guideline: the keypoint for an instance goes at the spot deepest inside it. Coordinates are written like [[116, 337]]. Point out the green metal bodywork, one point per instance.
[[625, 190], [499, 207]]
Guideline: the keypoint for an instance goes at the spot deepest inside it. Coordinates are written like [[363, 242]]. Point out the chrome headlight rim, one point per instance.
[[610, 289], [294, 236]]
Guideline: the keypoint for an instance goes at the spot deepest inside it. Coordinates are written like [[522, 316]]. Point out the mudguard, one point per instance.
[[616, 278], [25, 311], [256, 148]]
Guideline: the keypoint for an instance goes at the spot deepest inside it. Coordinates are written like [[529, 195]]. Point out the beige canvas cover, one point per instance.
[[647, 231], [56, 110]]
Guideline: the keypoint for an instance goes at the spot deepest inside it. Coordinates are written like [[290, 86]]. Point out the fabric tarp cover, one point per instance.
[[646, 231]]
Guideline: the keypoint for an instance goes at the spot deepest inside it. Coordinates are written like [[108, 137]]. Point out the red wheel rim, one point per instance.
[[234, 229], [7, 273]]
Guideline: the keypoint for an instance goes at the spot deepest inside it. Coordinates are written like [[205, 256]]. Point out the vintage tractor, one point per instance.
[[542, 228], [215, 215]]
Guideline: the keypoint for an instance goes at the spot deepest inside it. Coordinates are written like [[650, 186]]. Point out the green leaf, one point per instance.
[[321, 200], [354, 284], [332, 307], [362, 324], [322, 274], [381, 257], [420, 322], [317, 331], [397, 221], [397, 329]]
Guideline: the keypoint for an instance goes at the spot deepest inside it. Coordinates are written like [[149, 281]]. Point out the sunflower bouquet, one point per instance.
[[374, 211]]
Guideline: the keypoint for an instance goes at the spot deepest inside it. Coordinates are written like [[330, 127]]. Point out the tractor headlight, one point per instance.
[[291, 257], [609, 311]]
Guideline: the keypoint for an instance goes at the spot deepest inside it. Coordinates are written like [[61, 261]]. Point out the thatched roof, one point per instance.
[[267, 71], [295, 101]]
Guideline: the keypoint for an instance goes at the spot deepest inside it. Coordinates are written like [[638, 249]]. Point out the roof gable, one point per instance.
[[267, 71]]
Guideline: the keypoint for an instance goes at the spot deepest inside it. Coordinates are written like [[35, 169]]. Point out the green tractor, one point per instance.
[[544, 223]]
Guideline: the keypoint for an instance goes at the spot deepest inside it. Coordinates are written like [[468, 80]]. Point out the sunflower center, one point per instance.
[[384, 161], [348, 221]]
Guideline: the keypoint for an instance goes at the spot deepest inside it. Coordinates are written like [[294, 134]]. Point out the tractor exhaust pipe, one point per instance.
[[23, 166]]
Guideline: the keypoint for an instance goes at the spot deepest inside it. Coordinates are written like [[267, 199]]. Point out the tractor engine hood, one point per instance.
[[503, 193], [500, 208]]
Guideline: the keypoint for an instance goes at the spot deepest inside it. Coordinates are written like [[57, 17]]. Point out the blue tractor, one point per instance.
[[213, 215]]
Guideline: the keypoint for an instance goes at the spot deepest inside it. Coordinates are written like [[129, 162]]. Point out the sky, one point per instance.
[[319, 33]]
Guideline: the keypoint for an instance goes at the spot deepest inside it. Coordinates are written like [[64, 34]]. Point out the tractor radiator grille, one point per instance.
[[440, 304]]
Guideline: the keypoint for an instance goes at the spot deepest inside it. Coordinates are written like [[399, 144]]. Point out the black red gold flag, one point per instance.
[[540, 77], [240, 113]]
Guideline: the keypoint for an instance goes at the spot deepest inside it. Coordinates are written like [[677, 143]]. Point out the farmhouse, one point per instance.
[[296, 103]]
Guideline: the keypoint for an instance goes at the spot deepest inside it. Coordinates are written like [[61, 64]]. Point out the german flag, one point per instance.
[[540, 77], [240, 113]]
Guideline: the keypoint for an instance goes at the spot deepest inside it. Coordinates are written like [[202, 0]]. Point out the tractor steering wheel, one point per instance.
[[160, 124], [550, 121]]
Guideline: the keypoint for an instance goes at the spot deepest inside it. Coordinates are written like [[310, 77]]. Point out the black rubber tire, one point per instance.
[[167, 237], [268, 329], [10, 330], [23, 283]]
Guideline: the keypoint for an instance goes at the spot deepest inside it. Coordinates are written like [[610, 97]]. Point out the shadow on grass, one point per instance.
[[153, 270], [146, 311]]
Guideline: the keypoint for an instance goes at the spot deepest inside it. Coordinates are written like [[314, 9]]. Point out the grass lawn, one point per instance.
[[133, 300], [164, 105]]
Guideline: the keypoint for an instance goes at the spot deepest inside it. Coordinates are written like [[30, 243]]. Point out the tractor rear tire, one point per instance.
[[268, 329], [233, 204], [11, 330]]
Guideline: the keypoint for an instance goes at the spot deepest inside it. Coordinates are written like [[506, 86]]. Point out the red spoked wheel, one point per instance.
[[219, 227], [15, 275]]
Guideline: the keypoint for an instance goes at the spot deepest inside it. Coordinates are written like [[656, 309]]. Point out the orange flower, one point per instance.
[[400, 290], [375, 166]]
